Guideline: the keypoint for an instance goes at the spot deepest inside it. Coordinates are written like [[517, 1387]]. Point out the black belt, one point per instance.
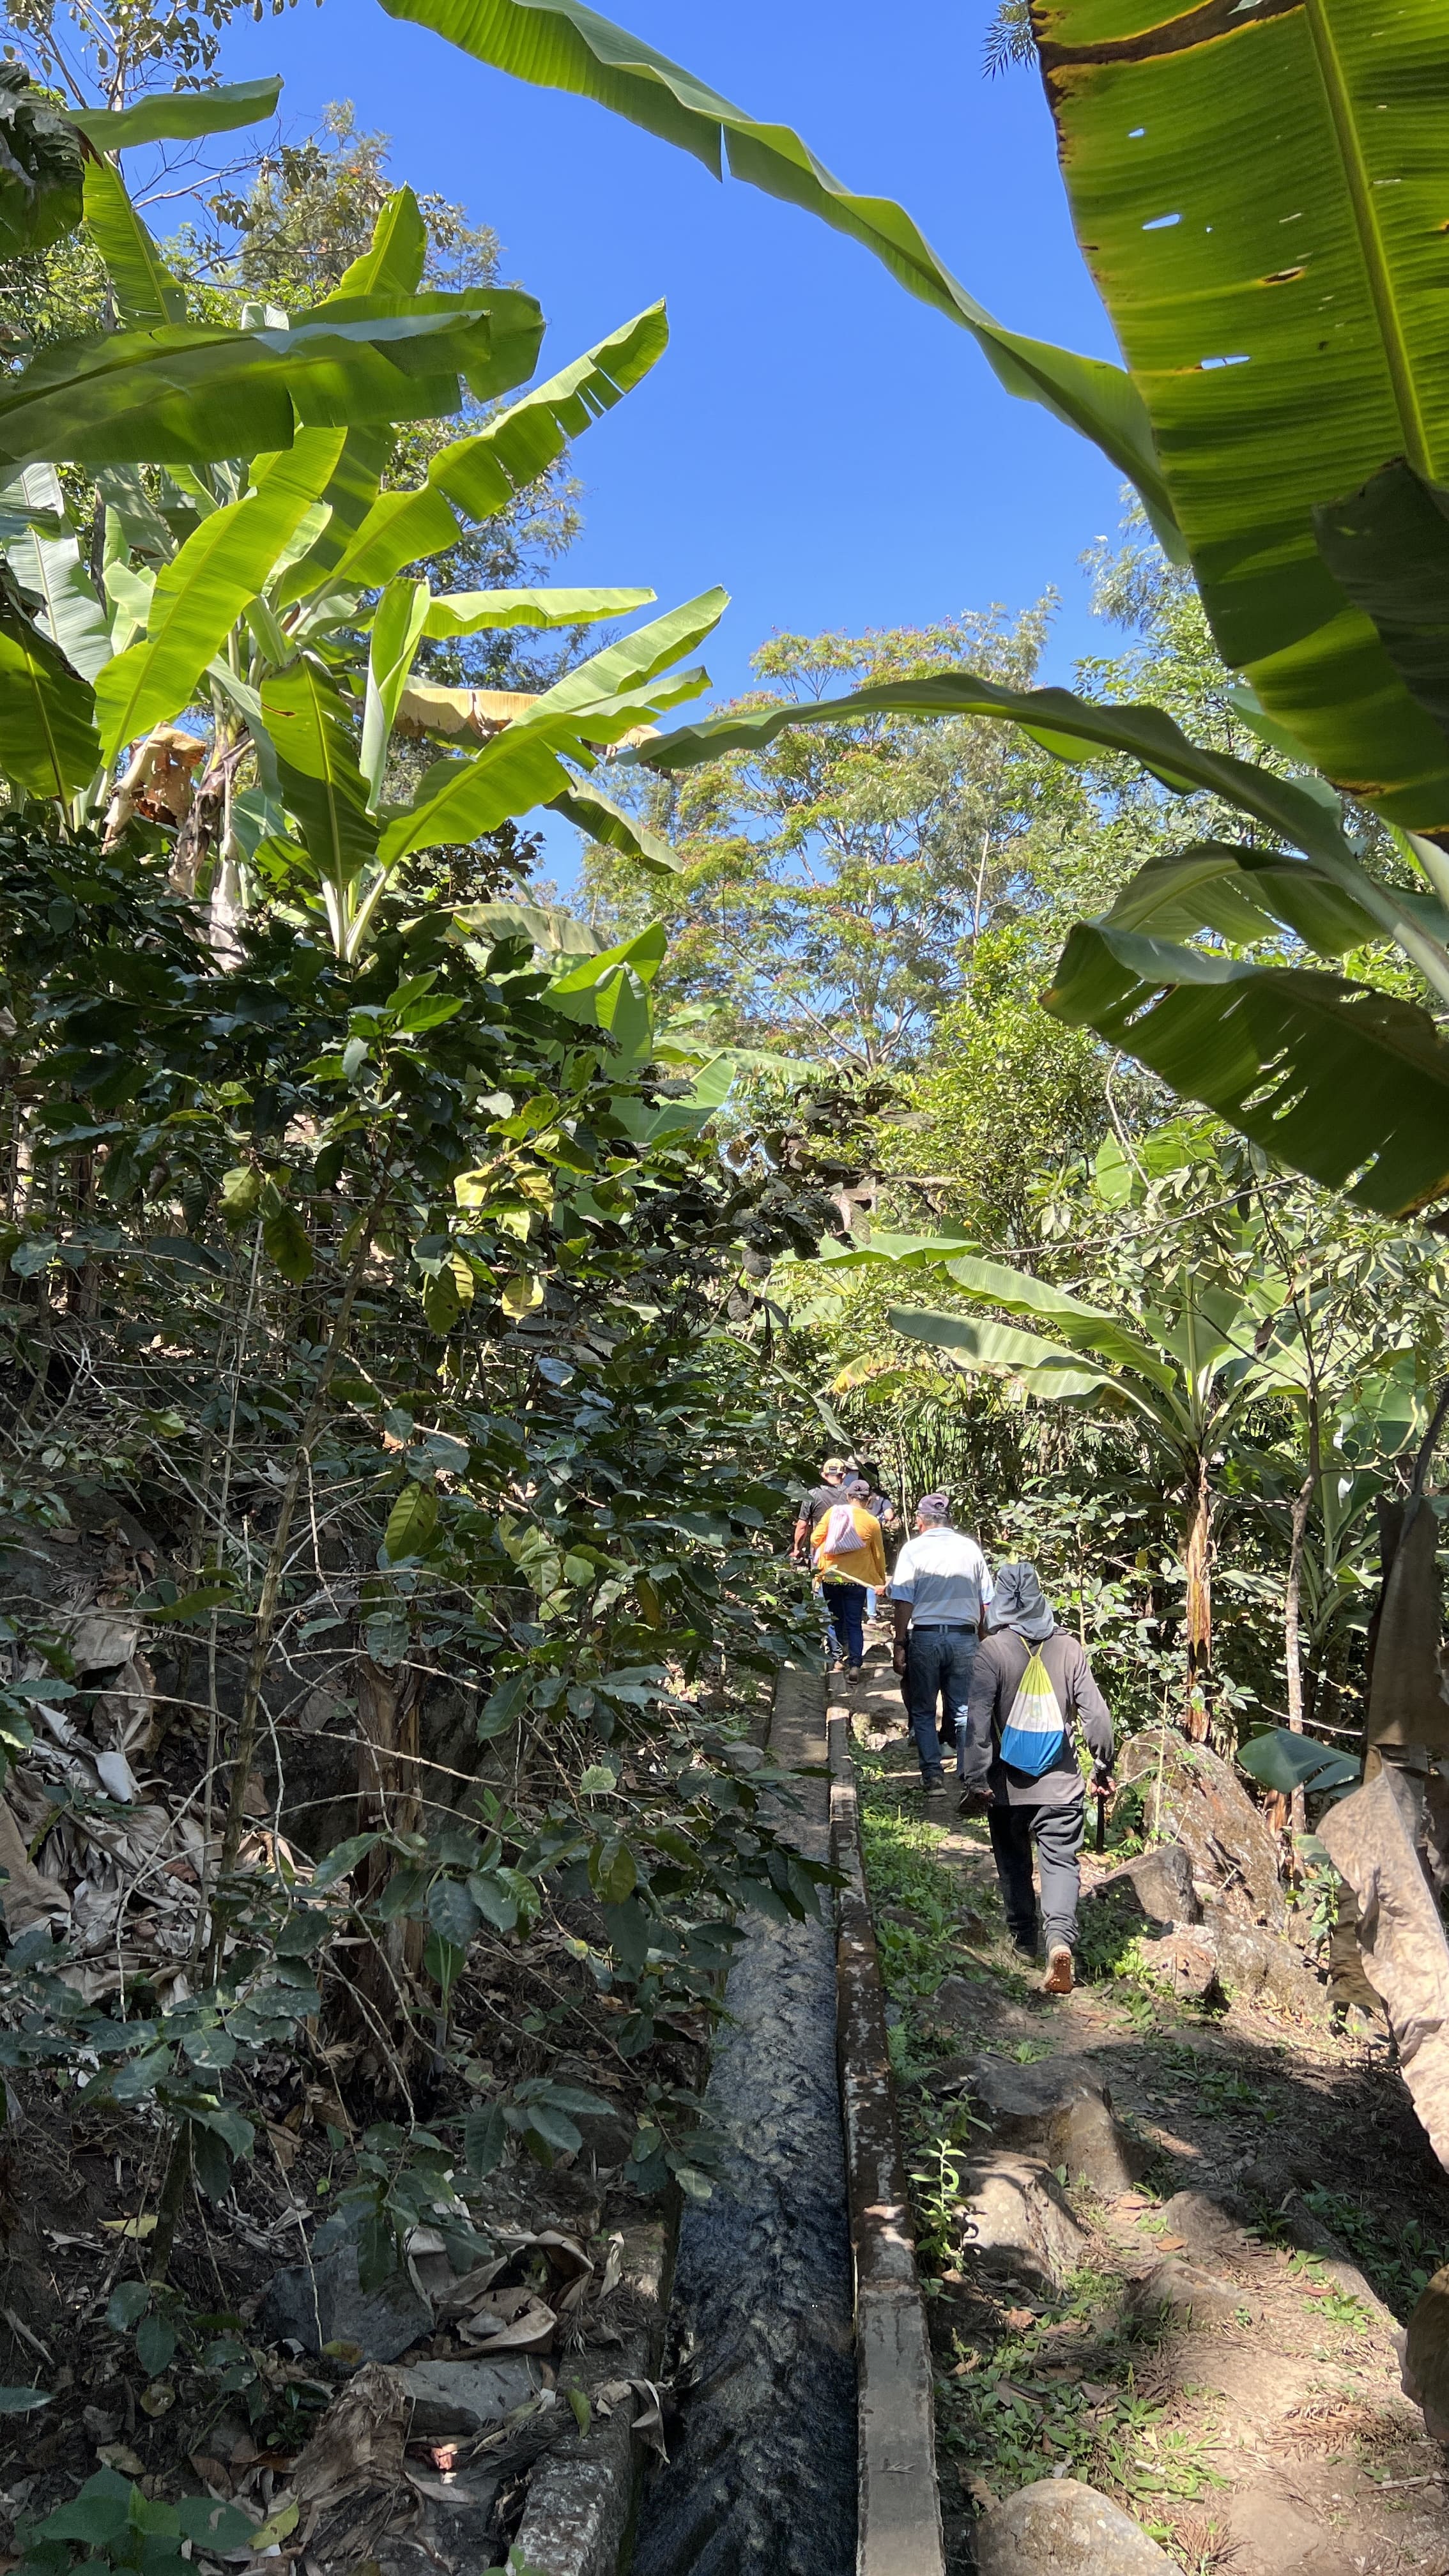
[[948, 1627]]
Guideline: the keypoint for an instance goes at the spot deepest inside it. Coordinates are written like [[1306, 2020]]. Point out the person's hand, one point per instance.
[[975, 1802], [1103, 1784], [898, 1655]]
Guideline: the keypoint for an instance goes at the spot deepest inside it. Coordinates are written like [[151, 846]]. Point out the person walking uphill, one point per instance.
[[819, 1500], [848, 1556], [939, 1591], [1031, 1688]]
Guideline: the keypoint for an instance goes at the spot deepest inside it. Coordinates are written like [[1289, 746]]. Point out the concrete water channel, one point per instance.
[[804, 2443], [762, 2475]]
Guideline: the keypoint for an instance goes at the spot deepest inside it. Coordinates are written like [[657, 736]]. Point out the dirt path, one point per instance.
[[1274, 2441]]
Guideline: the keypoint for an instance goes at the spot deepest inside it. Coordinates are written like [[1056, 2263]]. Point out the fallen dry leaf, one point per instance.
[[649, 2422], [1019, 2319], [510, 2321]]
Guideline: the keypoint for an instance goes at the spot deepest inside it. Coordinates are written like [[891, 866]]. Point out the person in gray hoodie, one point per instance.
[[1040, 1798]]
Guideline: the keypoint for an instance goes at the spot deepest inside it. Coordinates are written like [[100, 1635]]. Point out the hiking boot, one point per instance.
[[1058, 1978], [934, 1784]]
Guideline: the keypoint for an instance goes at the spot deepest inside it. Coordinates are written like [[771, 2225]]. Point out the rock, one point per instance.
[[1209, 2228], [1191, 1797], [1057, 2110], [1183, 1962], [1157, 1887], [1020, 2223], [382, 2323], [958, 2000], [1257, 1967], [1187, 2294], [1061, 2528], [979, 2010], [1426, 2356], [462, 2396], [1372, 1840], [1312, 2237]]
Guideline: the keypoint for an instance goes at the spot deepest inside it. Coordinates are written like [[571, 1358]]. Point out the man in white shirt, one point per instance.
[[939, 1592]]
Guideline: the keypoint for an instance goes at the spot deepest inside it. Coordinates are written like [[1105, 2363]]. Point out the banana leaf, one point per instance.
[[1259, 194], [457, 800], [51, 567], [394, 259], [611, 694], [202, 592], [1342, 1082], [636, 659], [1246, 895], [560, 44], [484, 473], [605, 822], [188, 393], [179, 116], [1084, 1326], [310, 725], [146, 291], [472, 612], [350, 494], [48, 739], [1388, 548], [1069, 726], [398, 624], [907, 1251], [1282, 1760], [1003, 1351]]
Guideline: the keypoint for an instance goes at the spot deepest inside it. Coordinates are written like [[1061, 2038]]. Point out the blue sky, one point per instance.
[[831, 451]]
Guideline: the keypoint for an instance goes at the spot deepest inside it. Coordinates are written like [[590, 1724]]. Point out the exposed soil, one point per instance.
[[1277, 2441]]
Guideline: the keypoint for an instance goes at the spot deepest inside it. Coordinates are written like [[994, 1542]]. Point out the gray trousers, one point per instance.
[[1057, 1834]]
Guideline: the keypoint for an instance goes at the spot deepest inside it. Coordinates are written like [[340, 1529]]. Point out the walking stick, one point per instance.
[[1101, 1820]]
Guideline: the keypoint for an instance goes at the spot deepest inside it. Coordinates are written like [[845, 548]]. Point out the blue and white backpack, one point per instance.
[[1034, 1736]]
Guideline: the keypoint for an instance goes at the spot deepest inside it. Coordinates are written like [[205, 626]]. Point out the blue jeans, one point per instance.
[[846, 1605], [939, 1663]]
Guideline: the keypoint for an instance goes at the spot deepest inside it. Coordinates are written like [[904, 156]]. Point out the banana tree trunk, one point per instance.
[[1197, 1558], [1292, 1607]]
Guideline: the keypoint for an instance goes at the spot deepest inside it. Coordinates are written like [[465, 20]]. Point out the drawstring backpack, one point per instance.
[[1034, 1736]]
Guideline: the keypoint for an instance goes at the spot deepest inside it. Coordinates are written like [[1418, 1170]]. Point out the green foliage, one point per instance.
[[40, 182], [832, 887], [1285, 1762], [1319, 552], [114, 2525]]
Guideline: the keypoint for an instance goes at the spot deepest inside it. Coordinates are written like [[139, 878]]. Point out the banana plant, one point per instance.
[[1284, 414], [1334, 1551], [1343, 1082], [1182, 1369], [268, 593], [1278, 312]]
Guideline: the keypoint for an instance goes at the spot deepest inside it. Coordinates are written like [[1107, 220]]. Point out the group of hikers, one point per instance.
[[985, 1670]]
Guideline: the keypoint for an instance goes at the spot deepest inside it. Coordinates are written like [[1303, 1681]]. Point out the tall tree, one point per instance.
[[833, 887]]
